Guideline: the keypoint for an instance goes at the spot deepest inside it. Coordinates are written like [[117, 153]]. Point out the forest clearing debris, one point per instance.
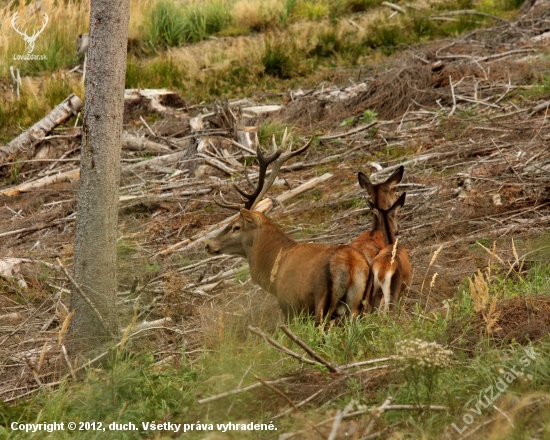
[[477, 167]]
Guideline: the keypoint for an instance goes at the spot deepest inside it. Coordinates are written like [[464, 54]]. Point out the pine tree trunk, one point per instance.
[[97, 209]]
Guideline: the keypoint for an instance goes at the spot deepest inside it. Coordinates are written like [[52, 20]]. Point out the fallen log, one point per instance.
[[134, 143], [67, 176], [64, 111]]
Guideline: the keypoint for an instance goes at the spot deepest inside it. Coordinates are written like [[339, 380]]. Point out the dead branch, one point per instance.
[[134, 143], [306, 186], [393, 6], [469, 12], [297, 340], [67, 176], [279, 347], [240, 390], [350, 132]]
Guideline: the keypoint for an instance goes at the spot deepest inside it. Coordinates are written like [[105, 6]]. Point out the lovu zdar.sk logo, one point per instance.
[[29, 39]]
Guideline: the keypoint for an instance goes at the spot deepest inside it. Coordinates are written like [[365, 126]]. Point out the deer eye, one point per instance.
[[236, 228]]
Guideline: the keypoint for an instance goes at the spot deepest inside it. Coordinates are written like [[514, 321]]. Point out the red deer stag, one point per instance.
[[314, 278], [391, 268]]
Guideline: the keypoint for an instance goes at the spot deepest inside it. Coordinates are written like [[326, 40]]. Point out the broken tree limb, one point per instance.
[[309, 350], [393, 6], [469, 12], [64, 111], [348, 133], [239, 390], [279, 347], [67, 176], [303, 188], [217, 164], [160, 160], [134, 143]]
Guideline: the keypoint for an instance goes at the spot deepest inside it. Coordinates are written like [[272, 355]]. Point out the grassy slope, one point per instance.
[[132, 388], [243, 46]]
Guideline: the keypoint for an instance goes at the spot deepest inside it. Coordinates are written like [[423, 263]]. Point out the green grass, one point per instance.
[[172, 24], [132, 387], [311, 36], [277, 59]]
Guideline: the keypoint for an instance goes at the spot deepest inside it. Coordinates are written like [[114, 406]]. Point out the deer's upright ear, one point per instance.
[[398, 203], [365, 183], [373, 208], [396, 177], [251, 217]]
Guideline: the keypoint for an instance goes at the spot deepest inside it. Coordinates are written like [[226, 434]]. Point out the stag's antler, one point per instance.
[[37, 33], [277, 158], [13, 20]]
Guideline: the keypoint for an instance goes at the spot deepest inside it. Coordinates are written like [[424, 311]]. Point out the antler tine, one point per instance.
[[43, 26], [226, 204], [13, 20], [282, 159], [252, 198], [277, 159]]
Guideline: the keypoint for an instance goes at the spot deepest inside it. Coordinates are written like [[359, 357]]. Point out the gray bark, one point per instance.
[[97, 209]]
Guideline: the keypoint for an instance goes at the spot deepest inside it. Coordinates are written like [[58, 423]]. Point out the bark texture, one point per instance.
[[97, 209]]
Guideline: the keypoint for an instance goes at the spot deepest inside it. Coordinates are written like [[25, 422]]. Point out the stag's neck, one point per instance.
[[270, 240]]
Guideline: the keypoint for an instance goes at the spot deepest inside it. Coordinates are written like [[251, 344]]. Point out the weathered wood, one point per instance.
[[303, 187], [134, 143], [67, 176], [348, 133], [64, 111]]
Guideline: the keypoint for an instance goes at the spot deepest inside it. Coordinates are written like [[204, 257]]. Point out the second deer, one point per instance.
[[391, 268]]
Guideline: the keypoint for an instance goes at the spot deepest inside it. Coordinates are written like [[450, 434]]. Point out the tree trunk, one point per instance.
[[97, 209]]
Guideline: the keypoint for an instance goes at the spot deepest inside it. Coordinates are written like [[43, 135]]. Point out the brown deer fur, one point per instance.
[[383, 196], [318, 279], [391, 272]]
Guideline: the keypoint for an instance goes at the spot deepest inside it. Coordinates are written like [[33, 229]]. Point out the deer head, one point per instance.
[[29, 40], [237, 238]]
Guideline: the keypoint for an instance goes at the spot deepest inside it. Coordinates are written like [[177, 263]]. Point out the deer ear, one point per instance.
[[251, 217], [396, 177], [398, 203], [365, 183], [373, 208]]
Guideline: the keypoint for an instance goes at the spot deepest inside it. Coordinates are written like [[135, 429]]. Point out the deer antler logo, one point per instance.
[[29, 40]]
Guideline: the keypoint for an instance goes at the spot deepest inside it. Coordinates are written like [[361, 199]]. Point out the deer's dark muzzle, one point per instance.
[[212, 249]]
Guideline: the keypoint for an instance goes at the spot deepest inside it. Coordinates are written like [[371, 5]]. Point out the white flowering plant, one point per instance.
[[421, 363]]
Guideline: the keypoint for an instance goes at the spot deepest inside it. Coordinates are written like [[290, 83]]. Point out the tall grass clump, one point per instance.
[[259, 15], [277, 60], [312, 10], [172, 24]]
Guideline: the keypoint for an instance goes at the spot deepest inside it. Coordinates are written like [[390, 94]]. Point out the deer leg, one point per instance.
[[396, 289], [386, 290]]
